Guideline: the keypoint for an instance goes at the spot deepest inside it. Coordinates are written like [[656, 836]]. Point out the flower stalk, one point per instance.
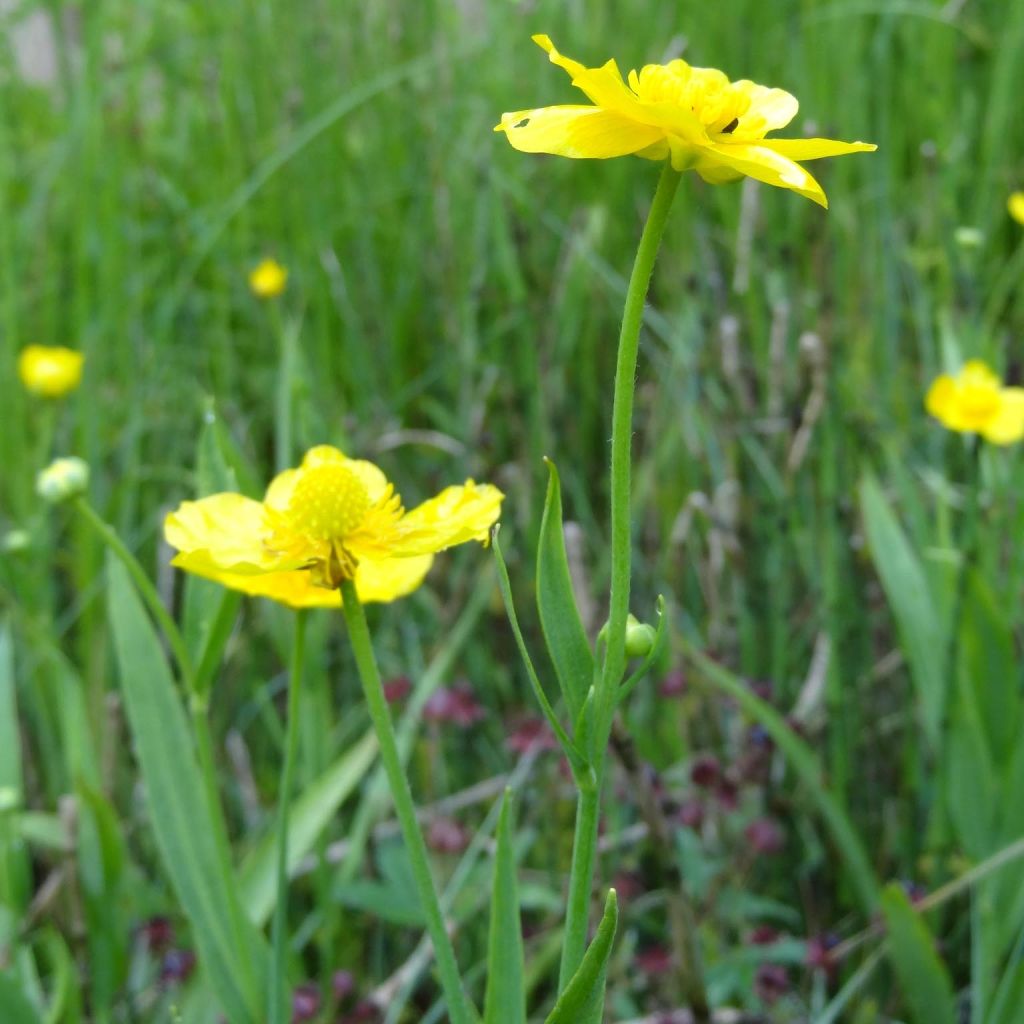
[[376, 703], [614, 666]]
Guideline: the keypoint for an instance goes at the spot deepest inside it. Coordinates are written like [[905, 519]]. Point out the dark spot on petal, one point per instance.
[[522, 124], [731, 126]]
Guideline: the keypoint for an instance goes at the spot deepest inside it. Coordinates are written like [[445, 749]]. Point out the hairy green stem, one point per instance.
[[376, 703], [614, 667], [277, 1010]]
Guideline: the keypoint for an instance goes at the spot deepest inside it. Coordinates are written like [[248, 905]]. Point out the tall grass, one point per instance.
[[451, 311]]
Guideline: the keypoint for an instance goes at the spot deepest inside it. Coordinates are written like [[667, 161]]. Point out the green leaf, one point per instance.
[[922, 975], [209, 609], [571, 750], [10, 739], [310, 814], [505, 1001], [101, 858], [582, 1002], [559, 617], [912, 602], [230, 952], [14, 1007], [989, 673]]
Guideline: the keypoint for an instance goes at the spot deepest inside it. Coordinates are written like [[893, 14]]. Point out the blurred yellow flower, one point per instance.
[[694, 116], [49, 370], [1015, 204], [331, 519], [268, 279], [975, 402]]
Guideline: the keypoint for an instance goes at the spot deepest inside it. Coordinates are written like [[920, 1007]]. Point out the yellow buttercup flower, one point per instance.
[[50, 371], [975, 402], [1015, 204], [694, 116], [267, 279], [333, 518]]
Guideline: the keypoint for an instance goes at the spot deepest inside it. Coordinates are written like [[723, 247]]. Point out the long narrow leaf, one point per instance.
[[912, 602], [559, 616], [230, 952], [309, 815], [505, 1002], [582, 1002], [922, 975]]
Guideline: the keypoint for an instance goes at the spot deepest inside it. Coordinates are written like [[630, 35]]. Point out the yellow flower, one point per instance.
[[975, 402], [1015, 204], [50, 371], [331, 519], [694, 116], [267, 279]]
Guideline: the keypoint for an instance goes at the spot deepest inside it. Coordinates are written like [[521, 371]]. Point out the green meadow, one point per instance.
[[809, 805]]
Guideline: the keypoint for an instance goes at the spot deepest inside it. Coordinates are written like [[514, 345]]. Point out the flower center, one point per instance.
[[705, 92], [328, 503], [979, 400]]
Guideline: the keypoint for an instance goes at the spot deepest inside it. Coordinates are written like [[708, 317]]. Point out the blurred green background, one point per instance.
[[451, 311]]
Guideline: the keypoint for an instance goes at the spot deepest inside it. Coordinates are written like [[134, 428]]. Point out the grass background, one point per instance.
[[452, 309]]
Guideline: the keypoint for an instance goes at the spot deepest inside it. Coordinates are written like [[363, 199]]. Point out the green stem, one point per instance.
[[376, 703], [589, 802], [622, 437], [581, 882], [146, 589], [277, 1012]]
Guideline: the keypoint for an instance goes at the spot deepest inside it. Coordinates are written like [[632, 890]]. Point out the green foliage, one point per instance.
[[505, 1002], [922, 975], [180, 816]]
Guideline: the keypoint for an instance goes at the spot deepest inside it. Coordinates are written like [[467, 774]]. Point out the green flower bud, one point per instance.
[[62, 480], [639, 638]]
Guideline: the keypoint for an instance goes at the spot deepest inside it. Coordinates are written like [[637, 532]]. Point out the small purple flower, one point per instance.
[[456, 705], [771, 983], [447, 836], [705, 771], [305, 1003], [765, 836], [674, 684], [177, 966]]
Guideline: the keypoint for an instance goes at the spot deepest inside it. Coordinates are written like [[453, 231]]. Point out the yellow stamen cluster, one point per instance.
[[328, 503], [707, 93]]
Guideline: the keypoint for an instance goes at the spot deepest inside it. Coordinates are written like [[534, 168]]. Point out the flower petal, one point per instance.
[[455, 516], [941, 397], [603, 86], [224, 532], [769, 110], [391, 578], [1015, 204], [763, 164], [577, 131], [1007, 426], [815, 149]]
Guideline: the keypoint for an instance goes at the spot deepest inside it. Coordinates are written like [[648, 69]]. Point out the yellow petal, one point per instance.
[[372, 478], [279, 493], [814, 149], [1007, 426], [1015, 205], [390, 579], [375, 582], [455, 516], [577, 131], [755, 161], [603, 86], [50, 371], [295, 589], [941, 397], [769, 110], [222, 533]]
